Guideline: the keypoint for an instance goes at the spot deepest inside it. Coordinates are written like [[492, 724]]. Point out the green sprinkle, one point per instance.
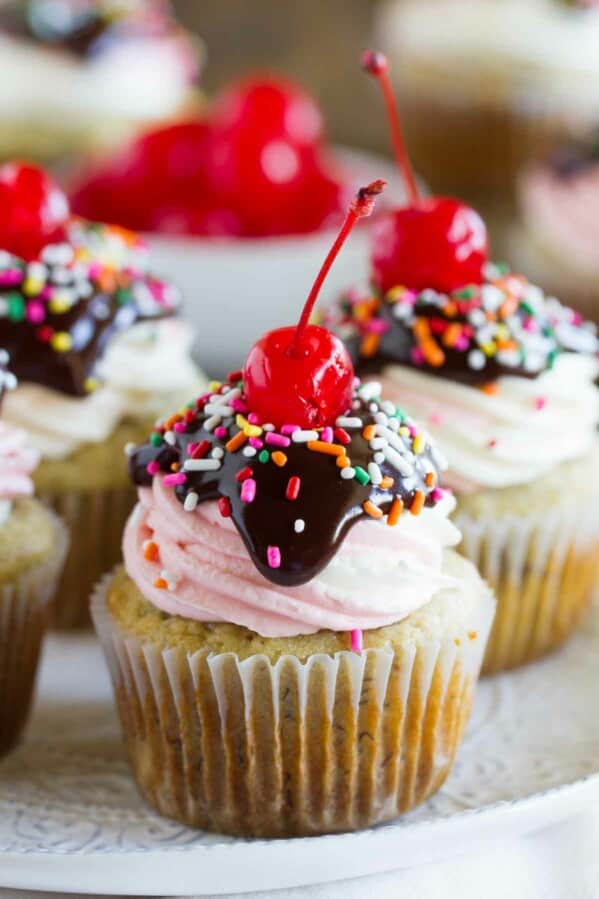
[[526, 307], [551, 359], [466, 293], [123, 296], [16, 307], [156, 439], [263, 456], [502, 267], [362, 476]]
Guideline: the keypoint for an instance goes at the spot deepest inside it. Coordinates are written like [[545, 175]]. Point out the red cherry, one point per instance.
[[304, 375], [440, 244], [33, 210], [433, 242]]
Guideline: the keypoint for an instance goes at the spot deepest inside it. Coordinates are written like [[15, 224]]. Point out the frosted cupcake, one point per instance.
[[80, 75], [492, 82], [504, 380], [559, 205], [32, 549], [99, 354], [294, 646]]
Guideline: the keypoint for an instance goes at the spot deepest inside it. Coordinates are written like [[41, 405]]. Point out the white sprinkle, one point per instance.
[[379, 458], [201, 465], [218, 409], [129, 448], [356, 404], [348, 473], [477, 317], [476, 360], [375, 473], [369, 390], [378, 443], [304, 436], [299, 525], [171, 580], [170, 438], [394, 440], [347, 421], [218, 452], [213, 422], [403, 467], [373, 407], [249, 451], [388, 407], [191, 501], [268, 427], [394, 424], [381, 418]]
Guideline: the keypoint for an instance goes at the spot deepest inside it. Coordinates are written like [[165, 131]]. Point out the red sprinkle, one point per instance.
[[200, 450], [244, 474], [234, 376], [293, 488], [224, 507], [342, 436]]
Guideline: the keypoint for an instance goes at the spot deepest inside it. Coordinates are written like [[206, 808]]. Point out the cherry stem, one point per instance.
[[361, 206], [377, 64]]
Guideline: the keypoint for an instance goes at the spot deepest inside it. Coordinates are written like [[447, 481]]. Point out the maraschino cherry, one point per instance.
[[303, 374], [33, 210], [434, 242]]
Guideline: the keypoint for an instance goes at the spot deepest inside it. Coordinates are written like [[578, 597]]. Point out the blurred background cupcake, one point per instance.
[[486, 85], [79, 74], [99, 353]]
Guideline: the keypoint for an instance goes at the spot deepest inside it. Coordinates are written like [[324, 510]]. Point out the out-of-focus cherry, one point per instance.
[[33, 210]]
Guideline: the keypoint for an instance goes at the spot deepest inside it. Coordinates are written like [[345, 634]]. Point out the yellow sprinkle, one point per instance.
[[59, 304], [91, 384], [32, 286], [489, 349], [61, 342], [403, 431], [214, 386], [395, 294], [418, 444], [252, 430]]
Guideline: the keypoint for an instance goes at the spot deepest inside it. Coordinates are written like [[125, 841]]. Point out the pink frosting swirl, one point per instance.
[[379, 576], [17, 461]]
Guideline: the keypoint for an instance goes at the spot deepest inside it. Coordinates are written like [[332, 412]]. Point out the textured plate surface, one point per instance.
[[70, 817]]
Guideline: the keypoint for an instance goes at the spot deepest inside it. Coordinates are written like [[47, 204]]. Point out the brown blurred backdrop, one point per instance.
[[315, 41]]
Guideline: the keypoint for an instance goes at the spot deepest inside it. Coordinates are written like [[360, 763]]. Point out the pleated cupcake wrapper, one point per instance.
[[259, 748], [24, 615], [96, 520], [544, 569]]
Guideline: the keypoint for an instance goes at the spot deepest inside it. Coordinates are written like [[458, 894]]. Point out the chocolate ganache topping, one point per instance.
[[504, 326], [80, 27], [58, 312], [292, 494]]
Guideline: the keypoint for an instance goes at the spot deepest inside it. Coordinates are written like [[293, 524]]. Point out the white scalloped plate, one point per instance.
[[71, 820]]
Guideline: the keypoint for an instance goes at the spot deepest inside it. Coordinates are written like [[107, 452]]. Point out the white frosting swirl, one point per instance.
[[145, 372], [497, 48], [512, 436]]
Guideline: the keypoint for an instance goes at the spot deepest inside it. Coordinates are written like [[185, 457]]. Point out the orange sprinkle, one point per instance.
[[236, 442], [508, 307], [421, 328], [279, 458], [160, 584], [452, 334], [387, 483], [372, 510], [363, 311], [430, 479], [417, 503], [472, 635], [368, 432], [150, 551], [329, 449], [450, 309], [491, 388], [343, 462], [175, 466], [370, 344], [168, 424], [432, 352], [395, 511]]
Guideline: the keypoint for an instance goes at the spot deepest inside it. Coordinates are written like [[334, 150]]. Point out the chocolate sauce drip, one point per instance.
[[327, 504]]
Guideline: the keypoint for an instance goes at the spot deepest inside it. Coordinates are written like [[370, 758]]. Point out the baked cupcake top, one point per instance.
[[17, 459]]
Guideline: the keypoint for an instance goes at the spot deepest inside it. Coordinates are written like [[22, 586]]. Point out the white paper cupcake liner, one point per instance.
[[544, 570], [287, 748], [24, 615], [96, 520]]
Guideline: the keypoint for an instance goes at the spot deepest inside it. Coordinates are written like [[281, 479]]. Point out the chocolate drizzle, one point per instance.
[[327, 503], [58, 313], [505, 326]]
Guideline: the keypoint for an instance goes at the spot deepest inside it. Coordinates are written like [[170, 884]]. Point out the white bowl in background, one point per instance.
[[237, 289]]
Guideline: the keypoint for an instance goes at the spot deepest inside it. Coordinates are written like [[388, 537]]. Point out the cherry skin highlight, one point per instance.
[[440, 244], [33, 210], [434, 242], [310, 389]]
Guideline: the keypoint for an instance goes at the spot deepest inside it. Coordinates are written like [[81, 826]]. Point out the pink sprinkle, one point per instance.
[[462, 343], [530, 324], [437, 494], [492, 444], [256, 442], [46, 293], [356, 640], [191, 448], [417, 355], [540, 402], [289, 429], [253, 418], [152, 467], [248, 490], [413, 431], [277, 439], [179, 427], [273, 556], [35, 312], [174, 480], [434, 419], [238, 406], [220, 433], [94, 271], [10, 277], [327, 435]]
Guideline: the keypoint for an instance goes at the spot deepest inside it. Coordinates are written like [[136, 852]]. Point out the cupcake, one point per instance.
[[33, 544], [293, 643], [493, 83], [84, 75], [99, 353], [504, 379], [558, 238]]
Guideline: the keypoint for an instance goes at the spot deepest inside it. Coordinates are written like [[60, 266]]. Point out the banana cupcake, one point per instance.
[[33, 544], [294, 646], [503, 378], [99, 354]]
